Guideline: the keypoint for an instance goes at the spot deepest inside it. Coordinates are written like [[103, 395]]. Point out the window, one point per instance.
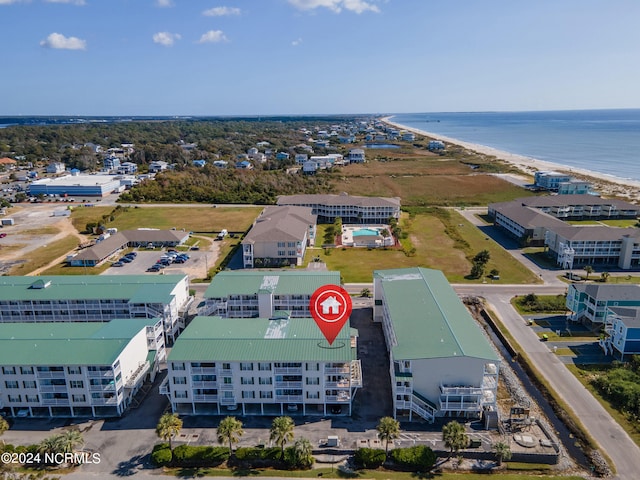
[[313, 394], [246, 380], [227, 380], [181, 394], [281, 253], [178, 366], [26, 370], [179, 380], [313, 367], [264, 394], [78, 398], [76, 384], [291, 244], [265, 381], [32, 398], [74, 370], [281, 244], [313, 381], [14, 398], [29, 384], [226, 366], [264, 366], [9, 370], [11, 384], [248, 394], [246, 366]]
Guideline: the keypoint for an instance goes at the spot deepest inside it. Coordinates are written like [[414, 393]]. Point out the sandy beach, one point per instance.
[[607, 185]]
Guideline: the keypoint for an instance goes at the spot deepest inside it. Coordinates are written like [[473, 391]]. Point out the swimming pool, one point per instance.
[[365, 231]]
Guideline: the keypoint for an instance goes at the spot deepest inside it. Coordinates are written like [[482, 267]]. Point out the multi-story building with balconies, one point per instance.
[[96, 298], [441, 363], [260, 366], [260, 293], [589, 303], [350, 208], [58, 369]]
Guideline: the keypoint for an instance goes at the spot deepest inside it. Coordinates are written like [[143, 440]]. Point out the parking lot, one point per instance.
[[195, 267]]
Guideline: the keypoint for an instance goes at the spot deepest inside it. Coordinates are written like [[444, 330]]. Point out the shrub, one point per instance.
[[161, 455], [369, 457], [419, 458], [199, 456]]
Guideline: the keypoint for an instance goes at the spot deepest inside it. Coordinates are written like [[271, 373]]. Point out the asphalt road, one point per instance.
[[612, 439]]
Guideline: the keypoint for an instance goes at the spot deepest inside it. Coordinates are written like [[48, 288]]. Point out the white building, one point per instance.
[[96, 298], [356, 155], [279, 237], [158, 166], [441, 363], [56, 167], [350, 208], [260, 366], [259, 293], [77, 369]]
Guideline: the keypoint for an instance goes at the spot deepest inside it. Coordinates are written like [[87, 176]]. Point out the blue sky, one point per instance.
[[261, 57]]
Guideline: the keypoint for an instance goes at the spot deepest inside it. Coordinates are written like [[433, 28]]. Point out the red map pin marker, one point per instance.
[[330, 307]]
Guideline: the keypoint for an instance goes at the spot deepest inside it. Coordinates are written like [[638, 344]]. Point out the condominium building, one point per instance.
[[60, 369], [622, 332], [260, 293], [549, 180], [96, 298], [279, 237], [441, 363], [260, 366], [351, 209], [589, 303]]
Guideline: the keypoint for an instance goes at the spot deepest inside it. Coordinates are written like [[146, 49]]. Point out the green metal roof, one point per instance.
[[136, 288], [429, 320], [297, 282], [259, 339], [67, 343]]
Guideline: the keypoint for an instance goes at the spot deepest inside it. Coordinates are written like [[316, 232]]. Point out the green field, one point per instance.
[[442, 239], [193, 219], [43, 255]]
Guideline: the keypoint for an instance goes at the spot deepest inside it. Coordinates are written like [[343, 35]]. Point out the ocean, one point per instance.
[[604, 141]]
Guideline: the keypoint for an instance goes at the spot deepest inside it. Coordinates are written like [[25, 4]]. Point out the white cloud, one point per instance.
[[59, 41], [221, 11], [336, 6], [166, 38], [72, 2], [9, 2], [296, 42], [213, 36], [164, 3]]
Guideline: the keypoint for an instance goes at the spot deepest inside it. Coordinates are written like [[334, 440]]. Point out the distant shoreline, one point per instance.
[[603, 183]]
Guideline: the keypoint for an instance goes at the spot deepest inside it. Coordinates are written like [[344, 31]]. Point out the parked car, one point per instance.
[[195, 248], [179, 260], [131, 254], [117, 264], [153, 269], [126, 260]]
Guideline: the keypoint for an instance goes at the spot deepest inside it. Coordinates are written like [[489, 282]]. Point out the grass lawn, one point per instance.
[[442, 239], [565, 352], [585, 373], [43, 255], [621, 223], [554, 303], [192, 219], [327, 472], [65, 269]]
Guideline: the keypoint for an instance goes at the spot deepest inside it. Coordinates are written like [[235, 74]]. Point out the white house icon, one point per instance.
[[331, 306]]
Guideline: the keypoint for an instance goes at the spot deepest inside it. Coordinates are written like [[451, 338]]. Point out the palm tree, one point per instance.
[[4, 426], [605, 276], [454, 437], [281, 431], [229, 430], [303, 452], [168, 427], [588, 270], [69, 441], [388, 430], [49, 445], [502, 451]]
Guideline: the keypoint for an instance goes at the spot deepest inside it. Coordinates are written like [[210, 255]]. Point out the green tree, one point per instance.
[[605, 276], [588, 270], [365, 292], [229, 431], [502, 451], [281, 431], [388, 430], [69, 441], [4, 426], [168, 427], [455, 437], [482, 257], [477, 270], [302, 453], [49, 445], [494, 273]]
